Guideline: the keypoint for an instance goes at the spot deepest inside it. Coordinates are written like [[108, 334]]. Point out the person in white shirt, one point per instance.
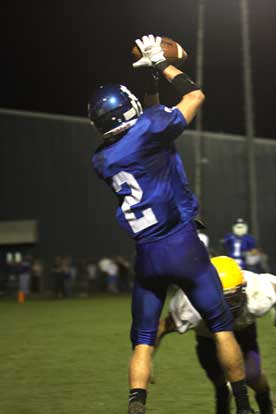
[[249, 296]]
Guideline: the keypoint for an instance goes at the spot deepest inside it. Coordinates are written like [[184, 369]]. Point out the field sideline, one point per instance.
[[71, 357]]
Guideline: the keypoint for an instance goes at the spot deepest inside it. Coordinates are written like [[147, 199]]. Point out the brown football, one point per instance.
[[173, 52]]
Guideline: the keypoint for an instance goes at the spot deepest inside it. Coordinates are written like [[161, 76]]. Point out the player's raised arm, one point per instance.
[[192, 95], [153, 56], [151, 88]]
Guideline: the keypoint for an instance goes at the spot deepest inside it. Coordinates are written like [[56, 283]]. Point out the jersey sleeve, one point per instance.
[[166, 124], [260, 292], [226, 239], [185, 316], [251, 243]]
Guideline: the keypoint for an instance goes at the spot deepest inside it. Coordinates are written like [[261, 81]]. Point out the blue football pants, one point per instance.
[[182, 259]]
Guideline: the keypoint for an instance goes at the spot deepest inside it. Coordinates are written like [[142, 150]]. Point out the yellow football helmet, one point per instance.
[[232, 280], [229, 272]]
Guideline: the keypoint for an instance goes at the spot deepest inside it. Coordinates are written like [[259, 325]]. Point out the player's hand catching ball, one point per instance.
[[151, 50]]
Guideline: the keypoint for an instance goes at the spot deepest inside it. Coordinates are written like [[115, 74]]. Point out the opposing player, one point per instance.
[[249, 296], [139, 162]]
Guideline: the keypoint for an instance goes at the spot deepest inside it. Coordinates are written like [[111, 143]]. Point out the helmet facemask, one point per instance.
[[236, 300]]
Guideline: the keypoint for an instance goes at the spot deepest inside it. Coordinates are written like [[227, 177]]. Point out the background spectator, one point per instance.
[[92, 274], [24, 271], [124, 269], [257, 261], [58, 277], [37, 276], [110, 273]]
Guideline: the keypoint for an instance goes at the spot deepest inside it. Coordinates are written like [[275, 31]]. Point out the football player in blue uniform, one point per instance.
[[239, 242], [139, 162]]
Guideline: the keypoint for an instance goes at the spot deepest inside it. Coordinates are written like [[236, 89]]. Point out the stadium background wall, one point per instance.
[[46, 175]]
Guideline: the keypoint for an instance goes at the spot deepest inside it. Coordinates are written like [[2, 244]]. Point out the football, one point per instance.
[[173, 52]]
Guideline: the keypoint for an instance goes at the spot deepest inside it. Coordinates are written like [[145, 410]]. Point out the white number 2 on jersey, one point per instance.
[[148, 218]]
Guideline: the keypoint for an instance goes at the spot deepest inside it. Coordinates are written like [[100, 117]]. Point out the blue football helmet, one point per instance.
[[113, 109]]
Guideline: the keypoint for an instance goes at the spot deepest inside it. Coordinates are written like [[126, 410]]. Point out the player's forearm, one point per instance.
[[180, 80], [151, 88], [192, 95], [171, 72]]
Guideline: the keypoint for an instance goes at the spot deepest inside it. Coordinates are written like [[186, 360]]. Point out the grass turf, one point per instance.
[[71, 357]]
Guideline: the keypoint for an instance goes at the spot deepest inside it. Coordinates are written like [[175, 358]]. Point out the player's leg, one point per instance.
[[207, 356], [230, 357], [219, 320], [147, 303], [263, 394], [255, 376], [202, 285], [166, 326], [140, 366]]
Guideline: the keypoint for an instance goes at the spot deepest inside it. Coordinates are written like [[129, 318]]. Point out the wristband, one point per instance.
[[161, 66], [184, 84]]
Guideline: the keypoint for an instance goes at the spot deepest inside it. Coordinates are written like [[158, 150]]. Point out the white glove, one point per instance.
[[151, 50]]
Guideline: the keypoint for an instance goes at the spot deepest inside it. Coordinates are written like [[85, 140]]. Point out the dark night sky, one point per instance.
[[54, 53]]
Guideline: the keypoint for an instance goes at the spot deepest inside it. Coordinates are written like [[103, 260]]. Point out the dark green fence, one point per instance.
[[46, 175]]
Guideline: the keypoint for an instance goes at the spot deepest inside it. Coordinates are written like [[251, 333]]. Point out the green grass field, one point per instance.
[[71, 357]]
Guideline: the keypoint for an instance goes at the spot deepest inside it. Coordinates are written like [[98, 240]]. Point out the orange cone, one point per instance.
[[21, 297]]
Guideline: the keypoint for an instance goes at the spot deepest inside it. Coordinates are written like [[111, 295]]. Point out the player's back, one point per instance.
[[147, 174]]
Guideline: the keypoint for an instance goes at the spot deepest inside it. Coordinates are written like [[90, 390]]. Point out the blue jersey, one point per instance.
[[237, 246], [145, 171]]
